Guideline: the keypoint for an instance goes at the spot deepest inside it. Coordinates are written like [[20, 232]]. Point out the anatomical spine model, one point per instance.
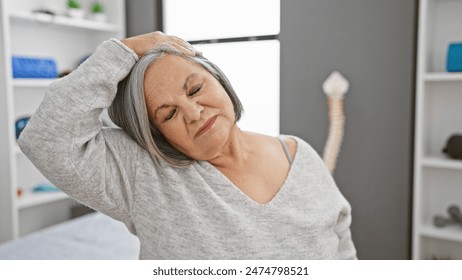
[[335, 88]]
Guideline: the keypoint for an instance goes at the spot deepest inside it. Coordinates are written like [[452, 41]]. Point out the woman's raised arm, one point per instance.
[[65, 139]]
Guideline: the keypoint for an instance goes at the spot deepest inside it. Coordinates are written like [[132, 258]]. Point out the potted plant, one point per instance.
[[74, 9], [97, 11]]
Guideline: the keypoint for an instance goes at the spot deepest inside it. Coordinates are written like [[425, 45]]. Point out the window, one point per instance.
[[195, 20]]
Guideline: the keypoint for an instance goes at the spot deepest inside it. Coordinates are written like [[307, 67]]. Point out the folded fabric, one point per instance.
[[45, 188], [32, 67]]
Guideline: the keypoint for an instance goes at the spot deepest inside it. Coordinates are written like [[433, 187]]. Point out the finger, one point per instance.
[[189, 50], [183, 43], [198, 52], [185, 49], [179, 41], [192, 50]]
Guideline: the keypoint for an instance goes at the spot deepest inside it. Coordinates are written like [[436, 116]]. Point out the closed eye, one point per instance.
[[170, 115], [195, 90]]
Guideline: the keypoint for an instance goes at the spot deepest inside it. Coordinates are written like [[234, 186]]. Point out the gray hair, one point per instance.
[[129, 110]]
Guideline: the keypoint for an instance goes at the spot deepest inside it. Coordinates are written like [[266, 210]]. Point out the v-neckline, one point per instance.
[[217, 173]]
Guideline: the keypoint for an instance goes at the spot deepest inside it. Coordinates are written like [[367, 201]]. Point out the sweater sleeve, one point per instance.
[[347, 250], [346, 247], [65, 140]]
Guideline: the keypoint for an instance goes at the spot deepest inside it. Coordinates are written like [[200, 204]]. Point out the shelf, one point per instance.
[[436, 182], [451, 233], [63, 21], [29, 199], [441, 162], [32, 82], [443, 77], [66, 40]]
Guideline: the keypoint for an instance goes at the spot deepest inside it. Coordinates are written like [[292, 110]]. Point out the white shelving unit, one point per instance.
[[34, 83], [67, 41], [35, 199], [62, 21], [437, 178]]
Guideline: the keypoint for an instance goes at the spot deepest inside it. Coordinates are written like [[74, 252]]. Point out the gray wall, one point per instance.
[[143, 16], [372, 43]]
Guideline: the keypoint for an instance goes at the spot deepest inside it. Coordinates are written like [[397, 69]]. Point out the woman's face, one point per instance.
[[188, 106]]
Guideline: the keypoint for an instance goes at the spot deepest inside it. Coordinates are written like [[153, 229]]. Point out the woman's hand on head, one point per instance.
[[141, 44]]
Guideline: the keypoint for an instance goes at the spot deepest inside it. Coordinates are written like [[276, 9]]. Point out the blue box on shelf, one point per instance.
[[32, 67], [454, 59]]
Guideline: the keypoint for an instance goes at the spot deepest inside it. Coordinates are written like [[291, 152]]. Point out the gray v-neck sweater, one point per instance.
[[182, 213]]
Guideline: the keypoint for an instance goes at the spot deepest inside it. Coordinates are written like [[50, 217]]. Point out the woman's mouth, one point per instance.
[[207, 126]]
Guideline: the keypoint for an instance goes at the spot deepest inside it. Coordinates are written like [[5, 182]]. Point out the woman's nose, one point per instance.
[[192, 111]]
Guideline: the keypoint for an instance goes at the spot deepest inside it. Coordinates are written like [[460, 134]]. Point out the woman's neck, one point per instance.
[[236, 151]]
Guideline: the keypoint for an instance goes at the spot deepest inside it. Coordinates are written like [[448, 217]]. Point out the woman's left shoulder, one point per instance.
[[291, 143], [298, 145]]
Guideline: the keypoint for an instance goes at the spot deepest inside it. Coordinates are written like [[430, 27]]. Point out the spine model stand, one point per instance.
[[335, 87]]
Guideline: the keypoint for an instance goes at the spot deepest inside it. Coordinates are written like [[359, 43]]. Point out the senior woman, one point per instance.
[[180, 173]]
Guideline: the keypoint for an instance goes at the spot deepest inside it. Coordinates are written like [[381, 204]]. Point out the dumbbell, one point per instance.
[[455, 213], [455, 217], [441, 221]]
